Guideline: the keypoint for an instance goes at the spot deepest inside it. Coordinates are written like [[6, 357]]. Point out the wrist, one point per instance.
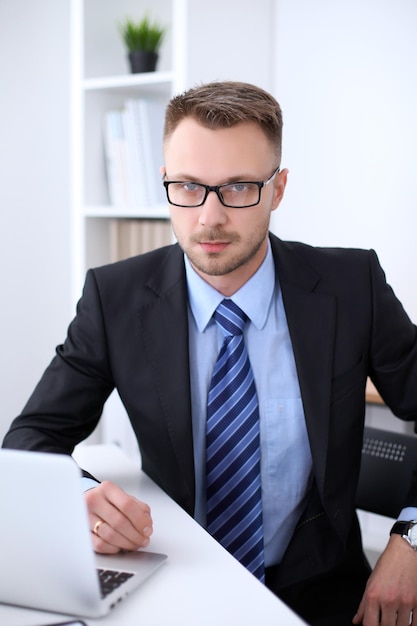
[[407, 530]]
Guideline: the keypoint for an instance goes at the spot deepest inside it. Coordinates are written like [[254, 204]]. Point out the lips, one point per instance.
[[213, 246]]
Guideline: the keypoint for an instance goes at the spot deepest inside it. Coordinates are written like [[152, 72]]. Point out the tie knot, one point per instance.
[[230, 318]]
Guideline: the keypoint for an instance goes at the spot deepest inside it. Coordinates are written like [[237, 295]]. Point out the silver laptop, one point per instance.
[[47, 560]]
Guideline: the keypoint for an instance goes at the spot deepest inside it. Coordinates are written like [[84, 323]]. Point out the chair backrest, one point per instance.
[[388, 462]]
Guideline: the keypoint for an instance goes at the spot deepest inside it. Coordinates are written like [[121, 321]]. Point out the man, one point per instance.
[[320, 322]]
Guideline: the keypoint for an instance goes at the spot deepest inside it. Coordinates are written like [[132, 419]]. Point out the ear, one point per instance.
[[163, 171], [280, 182]]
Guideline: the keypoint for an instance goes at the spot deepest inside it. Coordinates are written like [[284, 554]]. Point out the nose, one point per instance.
[[212, 212]]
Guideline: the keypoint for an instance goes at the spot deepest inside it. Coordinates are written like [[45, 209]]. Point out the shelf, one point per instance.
[[148, 79], [157, 212]]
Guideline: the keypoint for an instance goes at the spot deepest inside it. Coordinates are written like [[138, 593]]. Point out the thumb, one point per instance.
[[358, 617]]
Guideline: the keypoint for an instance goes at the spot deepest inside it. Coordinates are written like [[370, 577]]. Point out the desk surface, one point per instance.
[[199, 585]]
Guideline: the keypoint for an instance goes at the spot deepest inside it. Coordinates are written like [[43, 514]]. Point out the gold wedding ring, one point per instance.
[[97, 525]]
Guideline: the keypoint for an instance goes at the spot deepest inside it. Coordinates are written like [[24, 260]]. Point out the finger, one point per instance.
[[107, 538], [129, 523], [368, 613], [404, 616], [101, 546], [120, 531], [97, 525], [358, 617], [126, 514]]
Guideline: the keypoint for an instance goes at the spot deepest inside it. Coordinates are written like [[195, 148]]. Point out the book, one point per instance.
[[136, 176], [133, 139], [151, 120], [115, 150], [129, 237]]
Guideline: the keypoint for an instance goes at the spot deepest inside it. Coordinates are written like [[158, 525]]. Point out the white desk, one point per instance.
[[199, 585]]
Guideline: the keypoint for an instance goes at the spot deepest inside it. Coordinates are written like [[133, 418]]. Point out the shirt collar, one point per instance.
[[254, 297]]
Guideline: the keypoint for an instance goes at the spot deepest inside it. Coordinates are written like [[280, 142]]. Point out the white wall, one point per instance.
[[346, 80], [34, 193], [231, 40]]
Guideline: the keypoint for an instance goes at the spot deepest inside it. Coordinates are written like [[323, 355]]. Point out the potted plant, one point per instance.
[[142, 40]]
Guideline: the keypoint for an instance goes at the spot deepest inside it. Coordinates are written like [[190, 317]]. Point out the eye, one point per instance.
[[191, 187], [238, 188]]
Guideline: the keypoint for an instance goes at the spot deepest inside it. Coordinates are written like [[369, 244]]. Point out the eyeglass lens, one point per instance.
[[234, 195]]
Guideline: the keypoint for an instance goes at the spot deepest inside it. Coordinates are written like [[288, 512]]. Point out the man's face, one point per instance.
[[225, 245]]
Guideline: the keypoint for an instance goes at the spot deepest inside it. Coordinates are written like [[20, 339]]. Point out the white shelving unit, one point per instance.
[[101, 80]]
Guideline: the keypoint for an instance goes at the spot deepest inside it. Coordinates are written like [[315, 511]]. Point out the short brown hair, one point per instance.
[[224, 104]]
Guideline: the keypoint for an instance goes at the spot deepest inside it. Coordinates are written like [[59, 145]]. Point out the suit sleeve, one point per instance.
[[67, 403], [393, 367], [393, 363]]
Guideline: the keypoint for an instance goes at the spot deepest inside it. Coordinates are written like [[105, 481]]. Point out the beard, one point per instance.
[[223, 263]]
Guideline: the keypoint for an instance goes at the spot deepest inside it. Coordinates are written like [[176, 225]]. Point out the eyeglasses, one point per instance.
[[238, 195]]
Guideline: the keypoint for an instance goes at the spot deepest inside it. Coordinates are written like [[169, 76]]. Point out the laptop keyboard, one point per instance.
[[111, 579]]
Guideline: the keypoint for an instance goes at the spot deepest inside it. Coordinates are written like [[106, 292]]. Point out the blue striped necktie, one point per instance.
[[234, 507]]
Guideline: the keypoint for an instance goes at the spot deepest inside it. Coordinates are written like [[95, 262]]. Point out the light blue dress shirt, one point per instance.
[[286, 464]]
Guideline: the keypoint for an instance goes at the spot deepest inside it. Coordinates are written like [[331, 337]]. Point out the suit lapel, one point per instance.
[[311, 322], [164, 322]]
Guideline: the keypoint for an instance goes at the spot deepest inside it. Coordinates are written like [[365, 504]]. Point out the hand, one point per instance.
[[391, 592], [117, 520]]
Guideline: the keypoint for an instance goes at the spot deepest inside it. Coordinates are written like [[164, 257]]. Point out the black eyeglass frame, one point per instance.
[[217, 189]]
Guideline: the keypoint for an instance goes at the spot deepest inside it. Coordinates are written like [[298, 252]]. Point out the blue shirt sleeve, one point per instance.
[[408, 514]]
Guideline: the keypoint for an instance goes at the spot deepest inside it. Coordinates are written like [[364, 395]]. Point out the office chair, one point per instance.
[[388, 461]]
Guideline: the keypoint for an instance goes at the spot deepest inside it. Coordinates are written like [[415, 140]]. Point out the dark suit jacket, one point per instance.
[[131, 332]]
